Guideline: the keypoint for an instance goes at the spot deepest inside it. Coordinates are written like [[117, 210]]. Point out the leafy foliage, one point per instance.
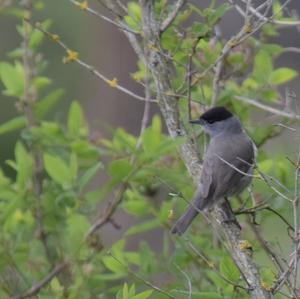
[[47, 209]]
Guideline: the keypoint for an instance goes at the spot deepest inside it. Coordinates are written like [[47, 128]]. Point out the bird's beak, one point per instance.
[[197, 121]]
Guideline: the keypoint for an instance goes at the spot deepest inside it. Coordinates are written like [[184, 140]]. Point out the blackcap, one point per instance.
[[227, 165]]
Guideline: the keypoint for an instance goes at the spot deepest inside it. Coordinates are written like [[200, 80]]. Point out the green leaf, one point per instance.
[[77, 227], [41, 82], [282, 75], [277, 9], [73, 166], [122, 141], [58, 170], [143, 295], [135, 10], [270, 95], [125, 293], [272, 49], [89, 174], [229, 269], [143, 227], [218, 13], [135, 203], [119, 169], [13, 78], [47, 103], [269, 30], [268, 276], [37, 36], [76, 121], [207, 295], [148, 262], [13, 125], [84, 149], [113, 265], [262, 67], [24, 166], [152, 136], [132, 291], [266, 165], [133, 19]]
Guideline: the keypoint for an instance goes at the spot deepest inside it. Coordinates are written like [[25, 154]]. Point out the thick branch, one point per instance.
[[29, 98], [169, 108]]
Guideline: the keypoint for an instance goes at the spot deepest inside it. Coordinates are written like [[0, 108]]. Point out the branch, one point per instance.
[[113, 83], [34, 290], [146, 282], [169, 108], [285, 275], [232, 42], [295, 205], [169, 20], [261, 17], [267, 108], [29, 98], [291, 50], [109, 211], [105, 18]]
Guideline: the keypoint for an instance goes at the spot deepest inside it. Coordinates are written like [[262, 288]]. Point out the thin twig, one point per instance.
[[267, 108], [169, 19], [225, 51], [264, 18], [291, 50], [268, 249], [190, 291], [92, 69], [295, 219], [34, 290], [146, 282], [146, 113], [105, 18], [285, 275], [109, 211]]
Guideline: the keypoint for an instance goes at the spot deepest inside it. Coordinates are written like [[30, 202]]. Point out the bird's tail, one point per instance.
[[185, 220]]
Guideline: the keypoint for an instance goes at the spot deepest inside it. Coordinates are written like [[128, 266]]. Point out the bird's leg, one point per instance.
[[229, 214]]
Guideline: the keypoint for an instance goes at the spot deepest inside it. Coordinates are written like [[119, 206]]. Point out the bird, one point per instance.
[[227, 167]]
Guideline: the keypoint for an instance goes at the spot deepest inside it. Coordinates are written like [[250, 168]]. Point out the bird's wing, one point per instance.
[[232, 165], [206, 179], [220, 176]]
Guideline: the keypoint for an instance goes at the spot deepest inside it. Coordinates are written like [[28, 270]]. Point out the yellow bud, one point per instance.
[[245, 244], [83, 5], [171, 214], [211, 264], [55, 37], [265, 286], [113, 83], [72, 55]]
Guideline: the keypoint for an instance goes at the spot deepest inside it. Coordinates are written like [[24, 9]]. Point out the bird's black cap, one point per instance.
[[214, 114]]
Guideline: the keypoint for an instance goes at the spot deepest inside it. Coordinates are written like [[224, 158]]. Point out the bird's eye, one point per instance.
[[211, 121]]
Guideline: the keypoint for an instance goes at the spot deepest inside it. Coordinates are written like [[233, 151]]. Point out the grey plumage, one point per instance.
[[229, 156]]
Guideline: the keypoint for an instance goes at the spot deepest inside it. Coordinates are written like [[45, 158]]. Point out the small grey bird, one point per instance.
[[227, 166]]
